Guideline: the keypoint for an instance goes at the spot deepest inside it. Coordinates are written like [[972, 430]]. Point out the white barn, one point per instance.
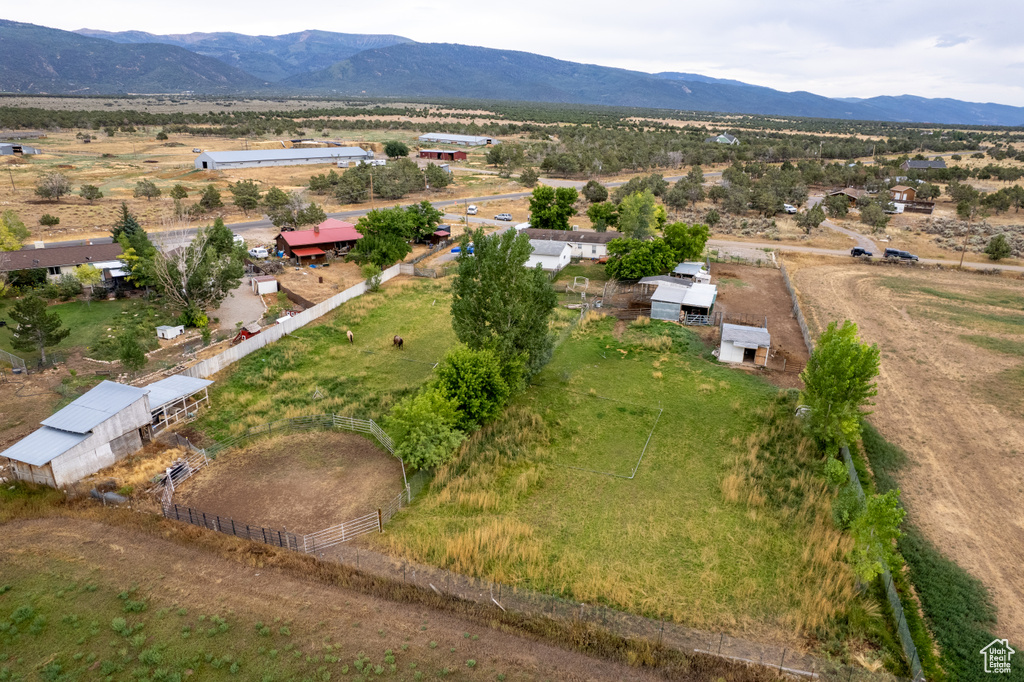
[[741, 343], [103, 426], [260, 158], [552, 256], [465, 140], [582, 243]]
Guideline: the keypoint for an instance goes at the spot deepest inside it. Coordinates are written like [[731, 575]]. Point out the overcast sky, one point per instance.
[[965, 50]]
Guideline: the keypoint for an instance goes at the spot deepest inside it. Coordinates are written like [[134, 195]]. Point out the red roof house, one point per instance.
[[330, 235]]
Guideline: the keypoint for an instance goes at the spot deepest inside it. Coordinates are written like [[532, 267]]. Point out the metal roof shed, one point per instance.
[[103, 426], [173, 399], [741, 343], [666, 302]]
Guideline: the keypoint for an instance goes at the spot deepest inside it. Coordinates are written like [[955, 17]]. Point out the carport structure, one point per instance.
[[175, 398]]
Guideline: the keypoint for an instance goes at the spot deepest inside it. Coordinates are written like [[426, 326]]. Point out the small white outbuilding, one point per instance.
[[741, 343], [264, 284], [552, 256], [170, 331]]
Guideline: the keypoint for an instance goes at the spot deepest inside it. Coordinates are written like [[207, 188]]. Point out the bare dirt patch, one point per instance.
[[939, 399], [749, 290], [303, 482]]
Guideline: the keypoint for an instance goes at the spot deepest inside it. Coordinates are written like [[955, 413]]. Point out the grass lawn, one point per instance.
[[90, 324], [682, 539], [360, 380]]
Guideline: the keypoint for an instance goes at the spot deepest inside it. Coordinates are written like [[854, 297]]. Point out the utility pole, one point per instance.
[[13, 188], [963, 249]]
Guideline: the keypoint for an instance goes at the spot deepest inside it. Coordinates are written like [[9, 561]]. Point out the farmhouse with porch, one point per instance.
[[312, 246]]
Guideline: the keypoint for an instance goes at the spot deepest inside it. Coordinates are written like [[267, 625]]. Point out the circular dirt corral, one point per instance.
[[301, 482]]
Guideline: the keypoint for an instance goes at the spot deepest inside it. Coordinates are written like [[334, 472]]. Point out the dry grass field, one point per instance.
[[951, 394]]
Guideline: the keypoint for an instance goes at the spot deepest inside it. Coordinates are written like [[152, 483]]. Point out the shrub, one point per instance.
[[473, 381], [49, 220], [372, 273], [846, 507], [424, 429], [835, 472]]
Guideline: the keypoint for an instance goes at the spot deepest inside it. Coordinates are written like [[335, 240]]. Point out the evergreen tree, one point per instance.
[[127, 224], [35, 328]]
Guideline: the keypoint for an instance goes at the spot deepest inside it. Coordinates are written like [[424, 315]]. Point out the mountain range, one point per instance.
[[37, 60]]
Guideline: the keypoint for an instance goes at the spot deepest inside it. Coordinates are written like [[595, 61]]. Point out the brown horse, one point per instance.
[[398, 341], [351, 336]]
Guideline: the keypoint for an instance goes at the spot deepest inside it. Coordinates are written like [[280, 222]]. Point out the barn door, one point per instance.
[[761, 356]]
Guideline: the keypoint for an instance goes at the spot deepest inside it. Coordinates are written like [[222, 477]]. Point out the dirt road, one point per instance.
[[965, 483]]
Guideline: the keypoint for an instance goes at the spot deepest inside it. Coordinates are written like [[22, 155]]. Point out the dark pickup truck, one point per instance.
[[896, 254], [860, 251]]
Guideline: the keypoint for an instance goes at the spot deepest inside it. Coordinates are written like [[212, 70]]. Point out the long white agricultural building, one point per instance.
[[259, 158]]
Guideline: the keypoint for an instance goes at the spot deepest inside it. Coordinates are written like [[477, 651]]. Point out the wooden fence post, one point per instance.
[[380, 520]]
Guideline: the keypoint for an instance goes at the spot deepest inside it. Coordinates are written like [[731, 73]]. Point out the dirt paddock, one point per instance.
[[300, 482], [760, 292]]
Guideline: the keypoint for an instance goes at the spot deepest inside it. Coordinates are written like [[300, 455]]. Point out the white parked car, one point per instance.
[[259, 252], [789, 208], [237, 239], [522, 226], [471, 210], [504, 216]]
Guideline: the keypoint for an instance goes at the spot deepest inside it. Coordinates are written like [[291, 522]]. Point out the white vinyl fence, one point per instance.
[[269, 335]]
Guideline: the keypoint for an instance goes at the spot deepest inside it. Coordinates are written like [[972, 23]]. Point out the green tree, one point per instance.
[[396, 179], [48, 220], [998, 248], [636, 258], [595, 192], [88, 274], [424, 219], [499, 304], [197, 277], [126, 224], [838, 383], [276, 198], [372, 274], [603, 215], [875, 532], [246, 195], [139, 255], [687, 190], [550, 208], [53, 186], [424, 429], [396, 148], [161, 136], [712, 218], [129, 351], [874, 215], [90, 192], [147, 189], [811, 218], [179, 191], [472, 381], [529, 177], [436, 177], [837, 206], [296, 213], [687, 241], [13, 232], [386, 235], [210, 198], [34, 327], [637, 215], [354, 185]]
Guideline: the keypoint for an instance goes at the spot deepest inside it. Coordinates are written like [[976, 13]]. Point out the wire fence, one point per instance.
[[907, 642], [185, 467], [17, 365]]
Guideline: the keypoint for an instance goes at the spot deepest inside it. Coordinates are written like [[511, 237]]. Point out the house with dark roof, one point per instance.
[[912, 164], [312, 246], [850, 193], [60, 259]]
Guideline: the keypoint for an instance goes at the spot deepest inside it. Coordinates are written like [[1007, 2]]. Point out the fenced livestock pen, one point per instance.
[[185, 467], [13, 362]]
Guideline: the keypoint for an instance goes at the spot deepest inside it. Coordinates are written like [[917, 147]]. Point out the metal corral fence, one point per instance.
[[218, 362], [768, 261], [270, 536], [183, 468], [17, 364], [909, 648]]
